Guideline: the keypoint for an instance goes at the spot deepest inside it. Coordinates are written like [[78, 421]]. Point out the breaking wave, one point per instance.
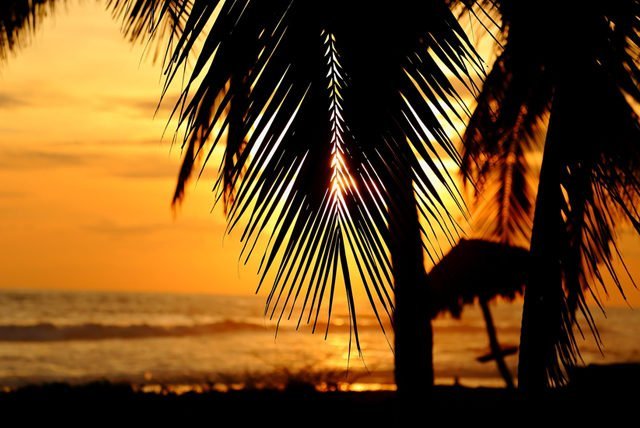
[[47, 332]]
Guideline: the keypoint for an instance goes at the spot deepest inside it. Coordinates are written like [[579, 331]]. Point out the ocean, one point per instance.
[[186, 341]]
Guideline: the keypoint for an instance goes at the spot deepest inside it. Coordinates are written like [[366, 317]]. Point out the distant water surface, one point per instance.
[[195, 339]]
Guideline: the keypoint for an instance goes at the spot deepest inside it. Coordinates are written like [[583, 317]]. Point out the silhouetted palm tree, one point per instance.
[[579, 66], [334, 115], [341, 179]]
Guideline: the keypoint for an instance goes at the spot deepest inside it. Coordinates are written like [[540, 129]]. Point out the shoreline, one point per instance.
[[302, 405], [617, 376]]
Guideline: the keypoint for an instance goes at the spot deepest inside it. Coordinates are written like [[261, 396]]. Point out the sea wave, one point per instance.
[[48, 332], [51, 332]]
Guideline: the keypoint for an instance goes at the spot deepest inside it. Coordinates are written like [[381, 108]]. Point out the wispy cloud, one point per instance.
[[145, 171], [10, 101], [143, 164], [118, 230], [36, 159], [112, 144], [146, 107], [147, 165], [12, 195], [109, 228]]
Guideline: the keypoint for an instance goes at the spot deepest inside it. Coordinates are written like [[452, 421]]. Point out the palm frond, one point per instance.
[[316, 110], [19, 19], [430, 105], [597, 132], [601, 162], [602, 190], [504, 129], [159, 21]]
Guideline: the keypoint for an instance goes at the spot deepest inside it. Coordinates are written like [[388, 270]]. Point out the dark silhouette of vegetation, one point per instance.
[[114, 403], [18, 18], [335, 125], [332, 129], [575, 68]]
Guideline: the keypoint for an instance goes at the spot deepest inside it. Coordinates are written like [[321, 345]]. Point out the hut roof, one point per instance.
[[476, 268]]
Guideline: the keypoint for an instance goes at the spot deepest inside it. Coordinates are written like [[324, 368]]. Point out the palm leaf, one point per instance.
[[159, 21], [316, 109], [19, 19], [598, 133]]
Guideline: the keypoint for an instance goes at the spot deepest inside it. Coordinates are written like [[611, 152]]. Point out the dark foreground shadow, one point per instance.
[[606, 393]]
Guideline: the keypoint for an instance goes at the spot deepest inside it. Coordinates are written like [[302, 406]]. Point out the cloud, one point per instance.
[[107, 227], [37, 159], [10, 130], [146, 167], [12, 195], [145, 107], [111, 144], [116, 230], [112, 161], [10, 101]]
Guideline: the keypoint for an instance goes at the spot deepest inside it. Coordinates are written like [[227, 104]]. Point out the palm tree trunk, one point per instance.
[[412, 322], [541, 317], [494, 345]]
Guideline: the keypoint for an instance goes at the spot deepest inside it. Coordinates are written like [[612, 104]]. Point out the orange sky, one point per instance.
[[87, 182]]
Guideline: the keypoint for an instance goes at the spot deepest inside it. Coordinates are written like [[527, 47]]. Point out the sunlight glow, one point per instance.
[[341, 179]]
